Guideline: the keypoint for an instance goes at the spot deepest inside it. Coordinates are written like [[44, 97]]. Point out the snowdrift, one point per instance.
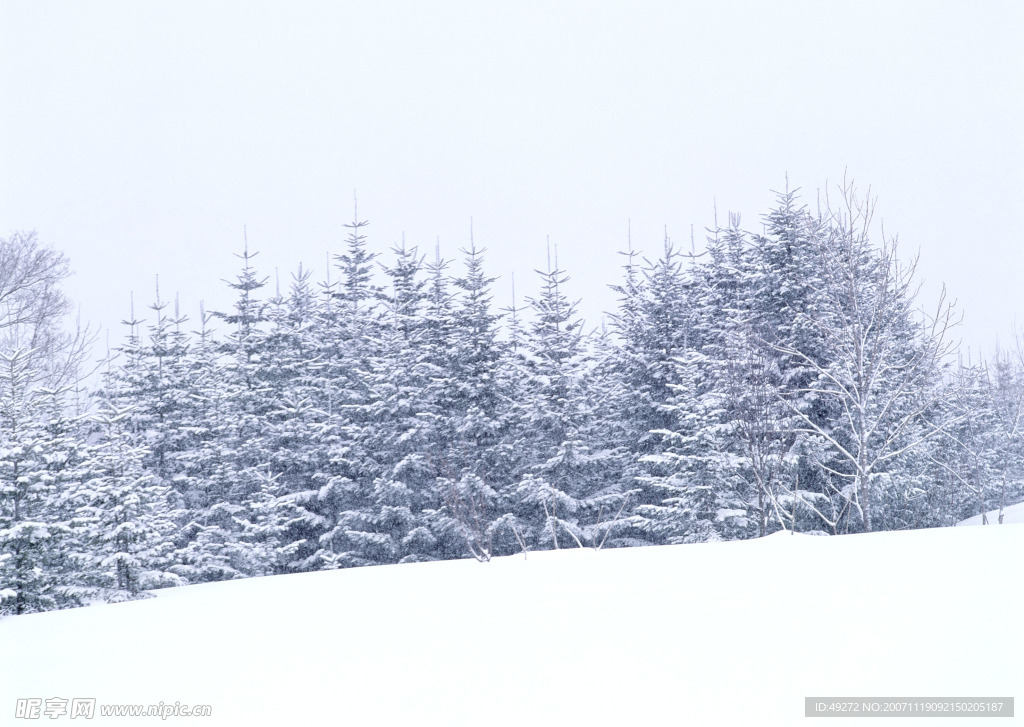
[[729, 633], [1012, 515]]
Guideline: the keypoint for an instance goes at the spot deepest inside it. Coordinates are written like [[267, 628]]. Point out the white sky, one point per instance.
[[139, 138]]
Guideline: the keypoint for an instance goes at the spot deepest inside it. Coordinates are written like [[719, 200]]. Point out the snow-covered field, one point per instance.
[[720, 634], [1012, 514]]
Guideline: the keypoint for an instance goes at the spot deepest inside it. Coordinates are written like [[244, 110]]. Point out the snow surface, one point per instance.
[[721, 634], [1012, 514]]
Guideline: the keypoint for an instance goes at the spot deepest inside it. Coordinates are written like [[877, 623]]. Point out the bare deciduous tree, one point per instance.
[[885, 358], [33, 310]]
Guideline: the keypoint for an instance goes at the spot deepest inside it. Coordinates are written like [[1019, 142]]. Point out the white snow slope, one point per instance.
[[719, 634], [1012, 515]]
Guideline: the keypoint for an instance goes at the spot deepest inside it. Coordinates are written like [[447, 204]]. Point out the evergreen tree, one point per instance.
[[31, 535], [654, 324], [687, 472], [406, 414], [124, 519], [746, 375], [348, 345], [208, 546], [1005, 394], [787, 293], [295, 420], [562, 495], [223, 539]]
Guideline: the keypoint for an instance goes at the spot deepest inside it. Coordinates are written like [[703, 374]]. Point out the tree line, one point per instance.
[[391, 413]]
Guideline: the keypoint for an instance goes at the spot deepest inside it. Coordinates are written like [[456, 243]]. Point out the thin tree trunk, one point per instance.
[[1002, 499]]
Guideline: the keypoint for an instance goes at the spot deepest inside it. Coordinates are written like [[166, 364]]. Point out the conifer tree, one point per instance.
[[746, 375], [562, 492], [124, 516], [786, 290], [228, 540], [31, 535], [349, 341], [507, 532], [291, 439], [654, 324], [207, 542], [405, 416], [1005, 393], [687, 472]]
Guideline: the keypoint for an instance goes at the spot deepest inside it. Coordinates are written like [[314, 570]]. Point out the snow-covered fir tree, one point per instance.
[[777, 379], [33, 537], [124, 519], [563, 499]]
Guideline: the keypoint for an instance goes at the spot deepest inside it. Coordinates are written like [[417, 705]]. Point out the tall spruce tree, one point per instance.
[[561, 496], [349, 342], [32, 537], [225, 540], [124, 516]]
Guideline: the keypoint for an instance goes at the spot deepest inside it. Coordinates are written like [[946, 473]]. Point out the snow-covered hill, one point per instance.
[[731, 633], [1012, 515]]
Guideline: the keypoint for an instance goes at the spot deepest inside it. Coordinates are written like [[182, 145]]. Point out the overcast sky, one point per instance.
[[139, 137]]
